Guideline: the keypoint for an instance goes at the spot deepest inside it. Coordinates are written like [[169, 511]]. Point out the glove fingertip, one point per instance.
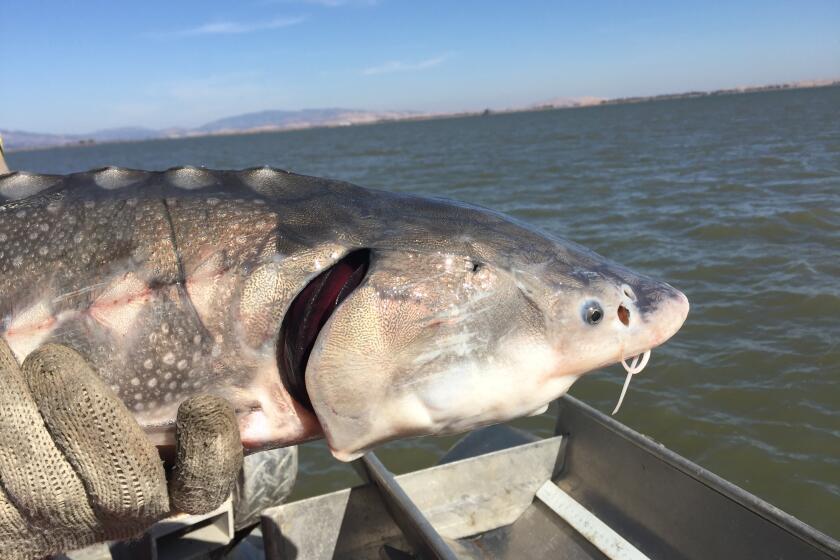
[[209, 454]]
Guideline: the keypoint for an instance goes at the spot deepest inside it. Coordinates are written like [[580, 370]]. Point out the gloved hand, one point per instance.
[[76, 468]]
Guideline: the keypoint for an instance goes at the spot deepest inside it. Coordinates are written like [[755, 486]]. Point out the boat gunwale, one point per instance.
[[725, 488]]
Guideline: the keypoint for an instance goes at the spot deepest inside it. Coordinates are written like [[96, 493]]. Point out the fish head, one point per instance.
[[472, 324]]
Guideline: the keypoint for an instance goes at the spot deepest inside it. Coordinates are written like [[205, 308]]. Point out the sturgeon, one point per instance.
[[316, 307]]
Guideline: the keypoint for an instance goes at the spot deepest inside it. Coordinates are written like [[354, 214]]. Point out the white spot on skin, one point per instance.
[[182, 364], [148, 364], [169, 358], [135, 381], [138, 396], [152, 382]]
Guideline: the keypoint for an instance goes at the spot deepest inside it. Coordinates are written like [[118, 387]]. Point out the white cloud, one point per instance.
[[234, 27], [403, 66]]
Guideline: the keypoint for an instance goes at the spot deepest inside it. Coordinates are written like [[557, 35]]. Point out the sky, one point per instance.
[[77, 66]]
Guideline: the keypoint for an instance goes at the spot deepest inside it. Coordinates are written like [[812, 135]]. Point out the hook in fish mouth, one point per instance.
[[307, 315], [636, 365]]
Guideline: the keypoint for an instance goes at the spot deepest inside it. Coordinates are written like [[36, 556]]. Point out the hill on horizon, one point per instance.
[[256, 121], [278, 119]]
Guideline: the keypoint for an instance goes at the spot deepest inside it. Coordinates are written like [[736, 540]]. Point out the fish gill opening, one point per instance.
[[309, 312]]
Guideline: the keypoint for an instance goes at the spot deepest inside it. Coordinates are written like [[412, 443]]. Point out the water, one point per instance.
[[735, 200]]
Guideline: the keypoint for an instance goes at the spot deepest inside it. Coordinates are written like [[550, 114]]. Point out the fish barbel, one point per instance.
[[316, 307]]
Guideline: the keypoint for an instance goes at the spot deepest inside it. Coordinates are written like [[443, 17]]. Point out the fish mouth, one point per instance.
[[309, 312], [672, 315]]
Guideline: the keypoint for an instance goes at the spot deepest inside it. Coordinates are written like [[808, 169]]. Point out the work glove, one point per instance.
[[76, 468]]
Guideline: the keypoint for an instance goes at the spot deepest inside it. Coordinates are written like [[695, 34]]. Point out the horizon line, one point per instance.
[[83, 139]]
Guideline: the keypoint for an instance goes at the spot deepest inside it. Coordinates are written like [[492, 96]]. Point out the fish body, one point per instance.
[[315, 307]]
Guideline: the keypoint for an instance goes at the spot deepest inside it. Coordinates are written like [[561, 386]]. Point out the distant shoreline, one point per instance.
[[719, 92], [86, 142]]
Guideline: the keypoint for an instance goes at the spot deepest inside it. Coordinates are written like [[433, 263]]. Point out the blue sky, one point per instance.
[[73, 66]]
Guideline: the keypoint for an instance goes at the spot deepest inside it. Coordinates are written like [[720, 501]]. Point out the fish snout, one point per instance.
[[660, 311], [660, 321]]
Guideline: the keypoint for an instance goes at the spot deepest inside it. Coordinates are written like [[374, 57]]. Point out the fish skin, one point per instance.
[[169, 283], [174, 283]]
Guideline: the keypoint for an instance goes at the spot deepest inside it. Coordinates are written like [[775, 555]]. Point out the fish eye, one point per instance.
[[593, 313]]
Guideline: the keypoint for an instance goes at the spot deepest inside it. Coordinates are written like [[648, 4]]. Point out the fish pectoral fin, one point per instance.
[[540, 410], [345, 456]]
